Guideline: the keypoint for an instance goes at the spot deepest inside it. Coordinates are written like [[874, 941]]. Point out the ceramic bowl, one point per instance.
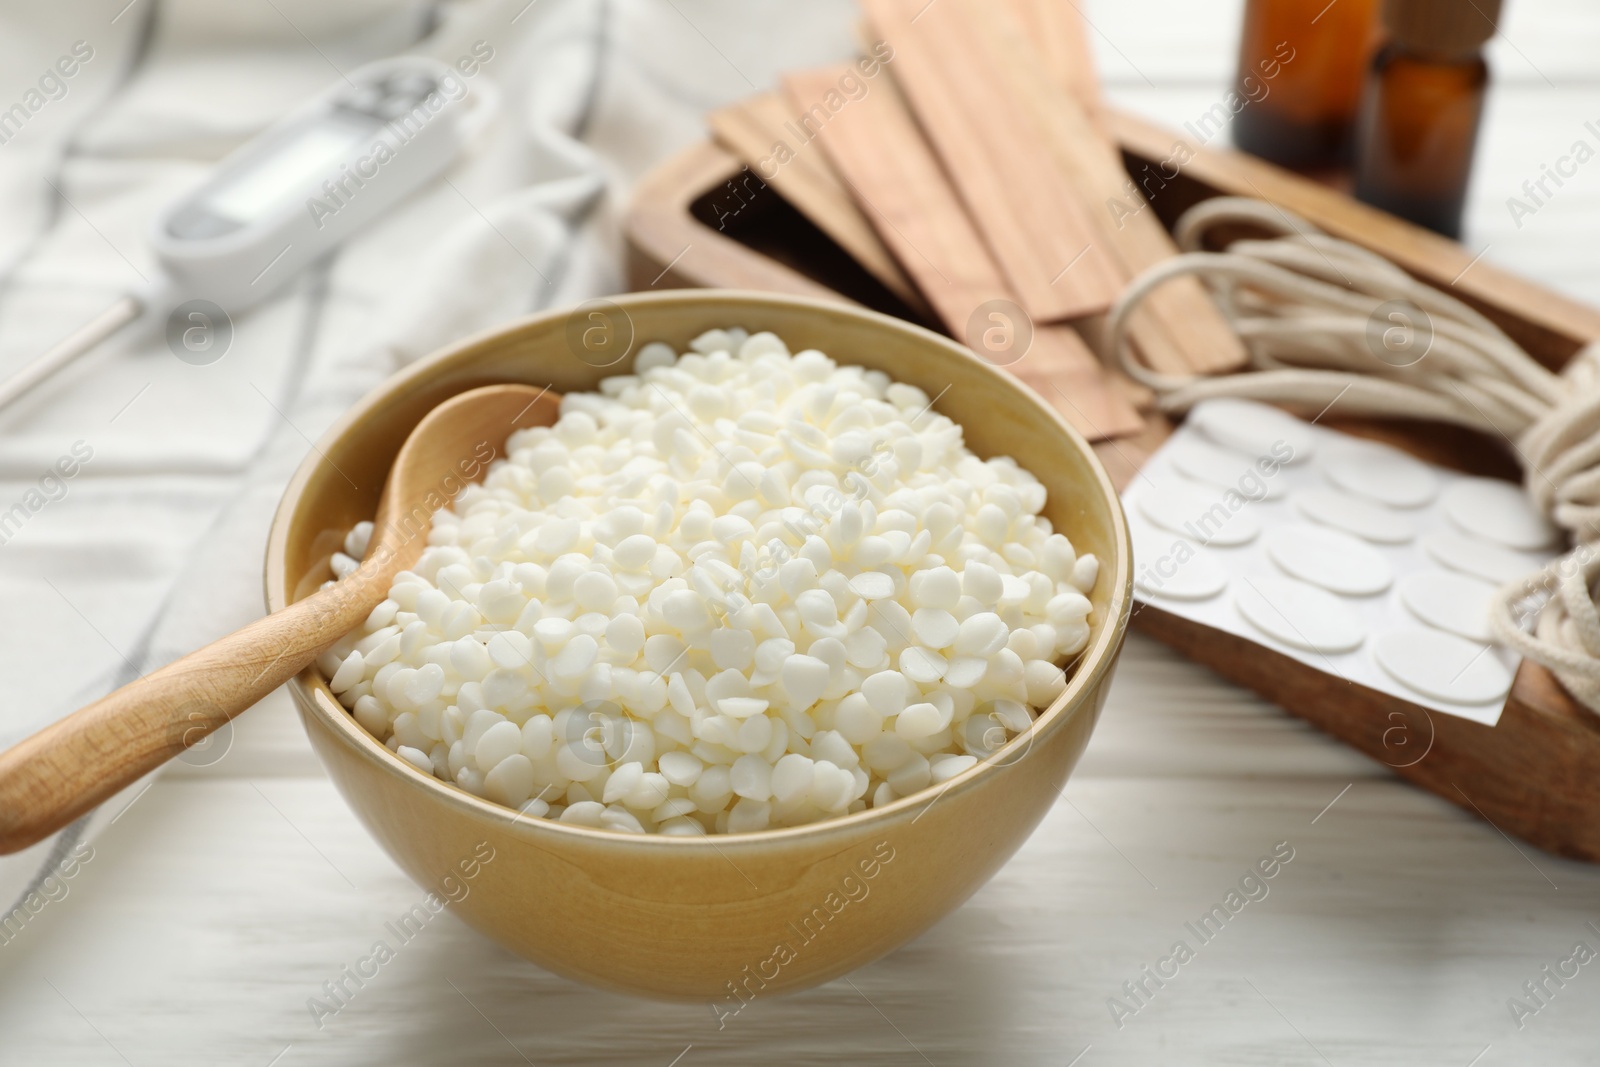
[[730, 917]]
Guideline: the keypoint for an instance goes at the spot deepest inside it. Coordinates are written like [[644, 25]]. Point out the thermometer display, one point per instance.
[[307, 155]]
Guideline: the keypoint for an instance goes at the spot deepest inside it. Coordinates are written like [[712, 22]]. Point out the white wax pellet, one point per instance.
[[920, 720], [625, 634], [672, 808], [792, 778], [856, 720], [510, 781], [478, 722], [751, 777], [634, 552], [575, 657], [680, 768], [804, 679], [922, 665], [885, 752], [357, 540], [831, 786], [748, 816], [538, 733], [594, 591], [945, 768], [623, 780], [872, 585], [553, 632], [964, 672], [1044, 681], [349, 673], [887, 692], [510, 649], [982, 582], [1085, 572], [733, 649], [937, 587], [934, 627], [910, 776], [470, 659], [498, 741], [982, 634], [831, 745], [584, 813]]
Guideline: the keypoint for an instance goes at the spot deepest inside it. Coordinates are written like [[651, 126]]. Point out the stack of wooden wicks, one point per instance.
[[971, 175]]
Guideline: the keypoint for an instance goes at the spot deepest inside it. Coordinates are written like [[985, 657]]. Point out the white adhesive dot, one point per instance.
[[1442, 666], [1328, 558], [1201, 514], [1365, 519], [1452, 602], [1300, 615], [1224, 468], [1481, 559], [1499, 512], [1380, 473], [1254, 429], [1165, 566]]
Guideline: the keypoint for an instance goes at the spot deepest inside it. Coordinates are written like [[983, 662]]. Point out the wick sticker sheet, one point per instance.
[[1353, 557]]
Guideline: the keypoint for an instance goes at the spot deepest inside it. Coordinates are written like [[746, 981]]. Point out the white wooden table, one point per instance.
[[227, 895]]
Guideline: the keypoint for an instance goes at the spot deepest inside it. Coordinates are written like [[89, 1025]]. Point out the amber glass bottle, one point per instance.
[[1420, 110], [1299, 81]]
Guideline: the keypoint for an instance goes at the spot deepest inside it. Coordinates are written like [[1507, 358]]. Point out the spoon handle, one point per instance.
[[69, 767]]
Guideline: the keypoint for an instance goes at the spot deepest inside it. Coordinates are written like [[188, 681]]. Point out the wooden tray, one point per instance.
[[703, 219]]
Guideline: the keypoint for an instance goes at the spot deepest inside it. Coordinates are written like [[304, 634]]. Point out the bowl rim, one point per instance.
[[1092, 664]]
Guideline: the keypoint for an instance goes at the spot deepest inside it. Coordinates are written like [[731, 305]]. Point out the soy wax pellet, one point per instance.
[[733, 591]]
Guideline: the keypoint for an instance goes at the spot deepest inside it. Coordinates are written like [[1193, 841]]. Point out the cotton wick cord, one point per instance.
[[1310, 309]]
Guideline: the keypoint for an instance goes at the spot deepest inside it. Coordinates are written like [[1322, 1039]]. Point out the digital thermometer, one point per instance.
[[293, 194]]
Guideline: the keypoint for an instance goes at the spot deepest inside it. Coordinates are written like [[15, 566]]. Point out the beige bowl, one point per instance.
[[730, 917]]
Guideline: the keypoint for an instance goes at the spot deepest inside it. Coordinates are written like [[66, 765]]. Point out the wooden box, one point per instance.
[[703, 219]]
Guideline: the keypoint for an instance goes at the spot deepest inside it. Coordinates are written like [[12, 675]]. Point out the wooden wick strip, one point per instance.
[[1055, 29], [1183, 331], [1046, 243], [774, 141], [880, 155]]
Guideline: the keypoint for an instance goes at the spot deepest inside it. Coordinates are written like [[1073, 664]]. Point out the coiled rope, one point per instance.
[[1327, 322]]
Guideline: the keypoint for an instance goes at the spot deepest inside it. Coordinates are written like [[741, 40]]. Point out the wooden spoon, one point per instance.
[[68, 768]]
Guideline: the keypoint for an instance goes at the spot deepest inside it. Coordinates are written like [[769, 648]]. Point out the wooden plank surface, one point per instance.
[[1045, 242], [876, 148]]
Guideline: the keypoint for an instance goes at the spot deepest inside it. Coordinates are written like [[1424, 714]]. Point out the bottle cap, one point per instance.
[[1443, 27]]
